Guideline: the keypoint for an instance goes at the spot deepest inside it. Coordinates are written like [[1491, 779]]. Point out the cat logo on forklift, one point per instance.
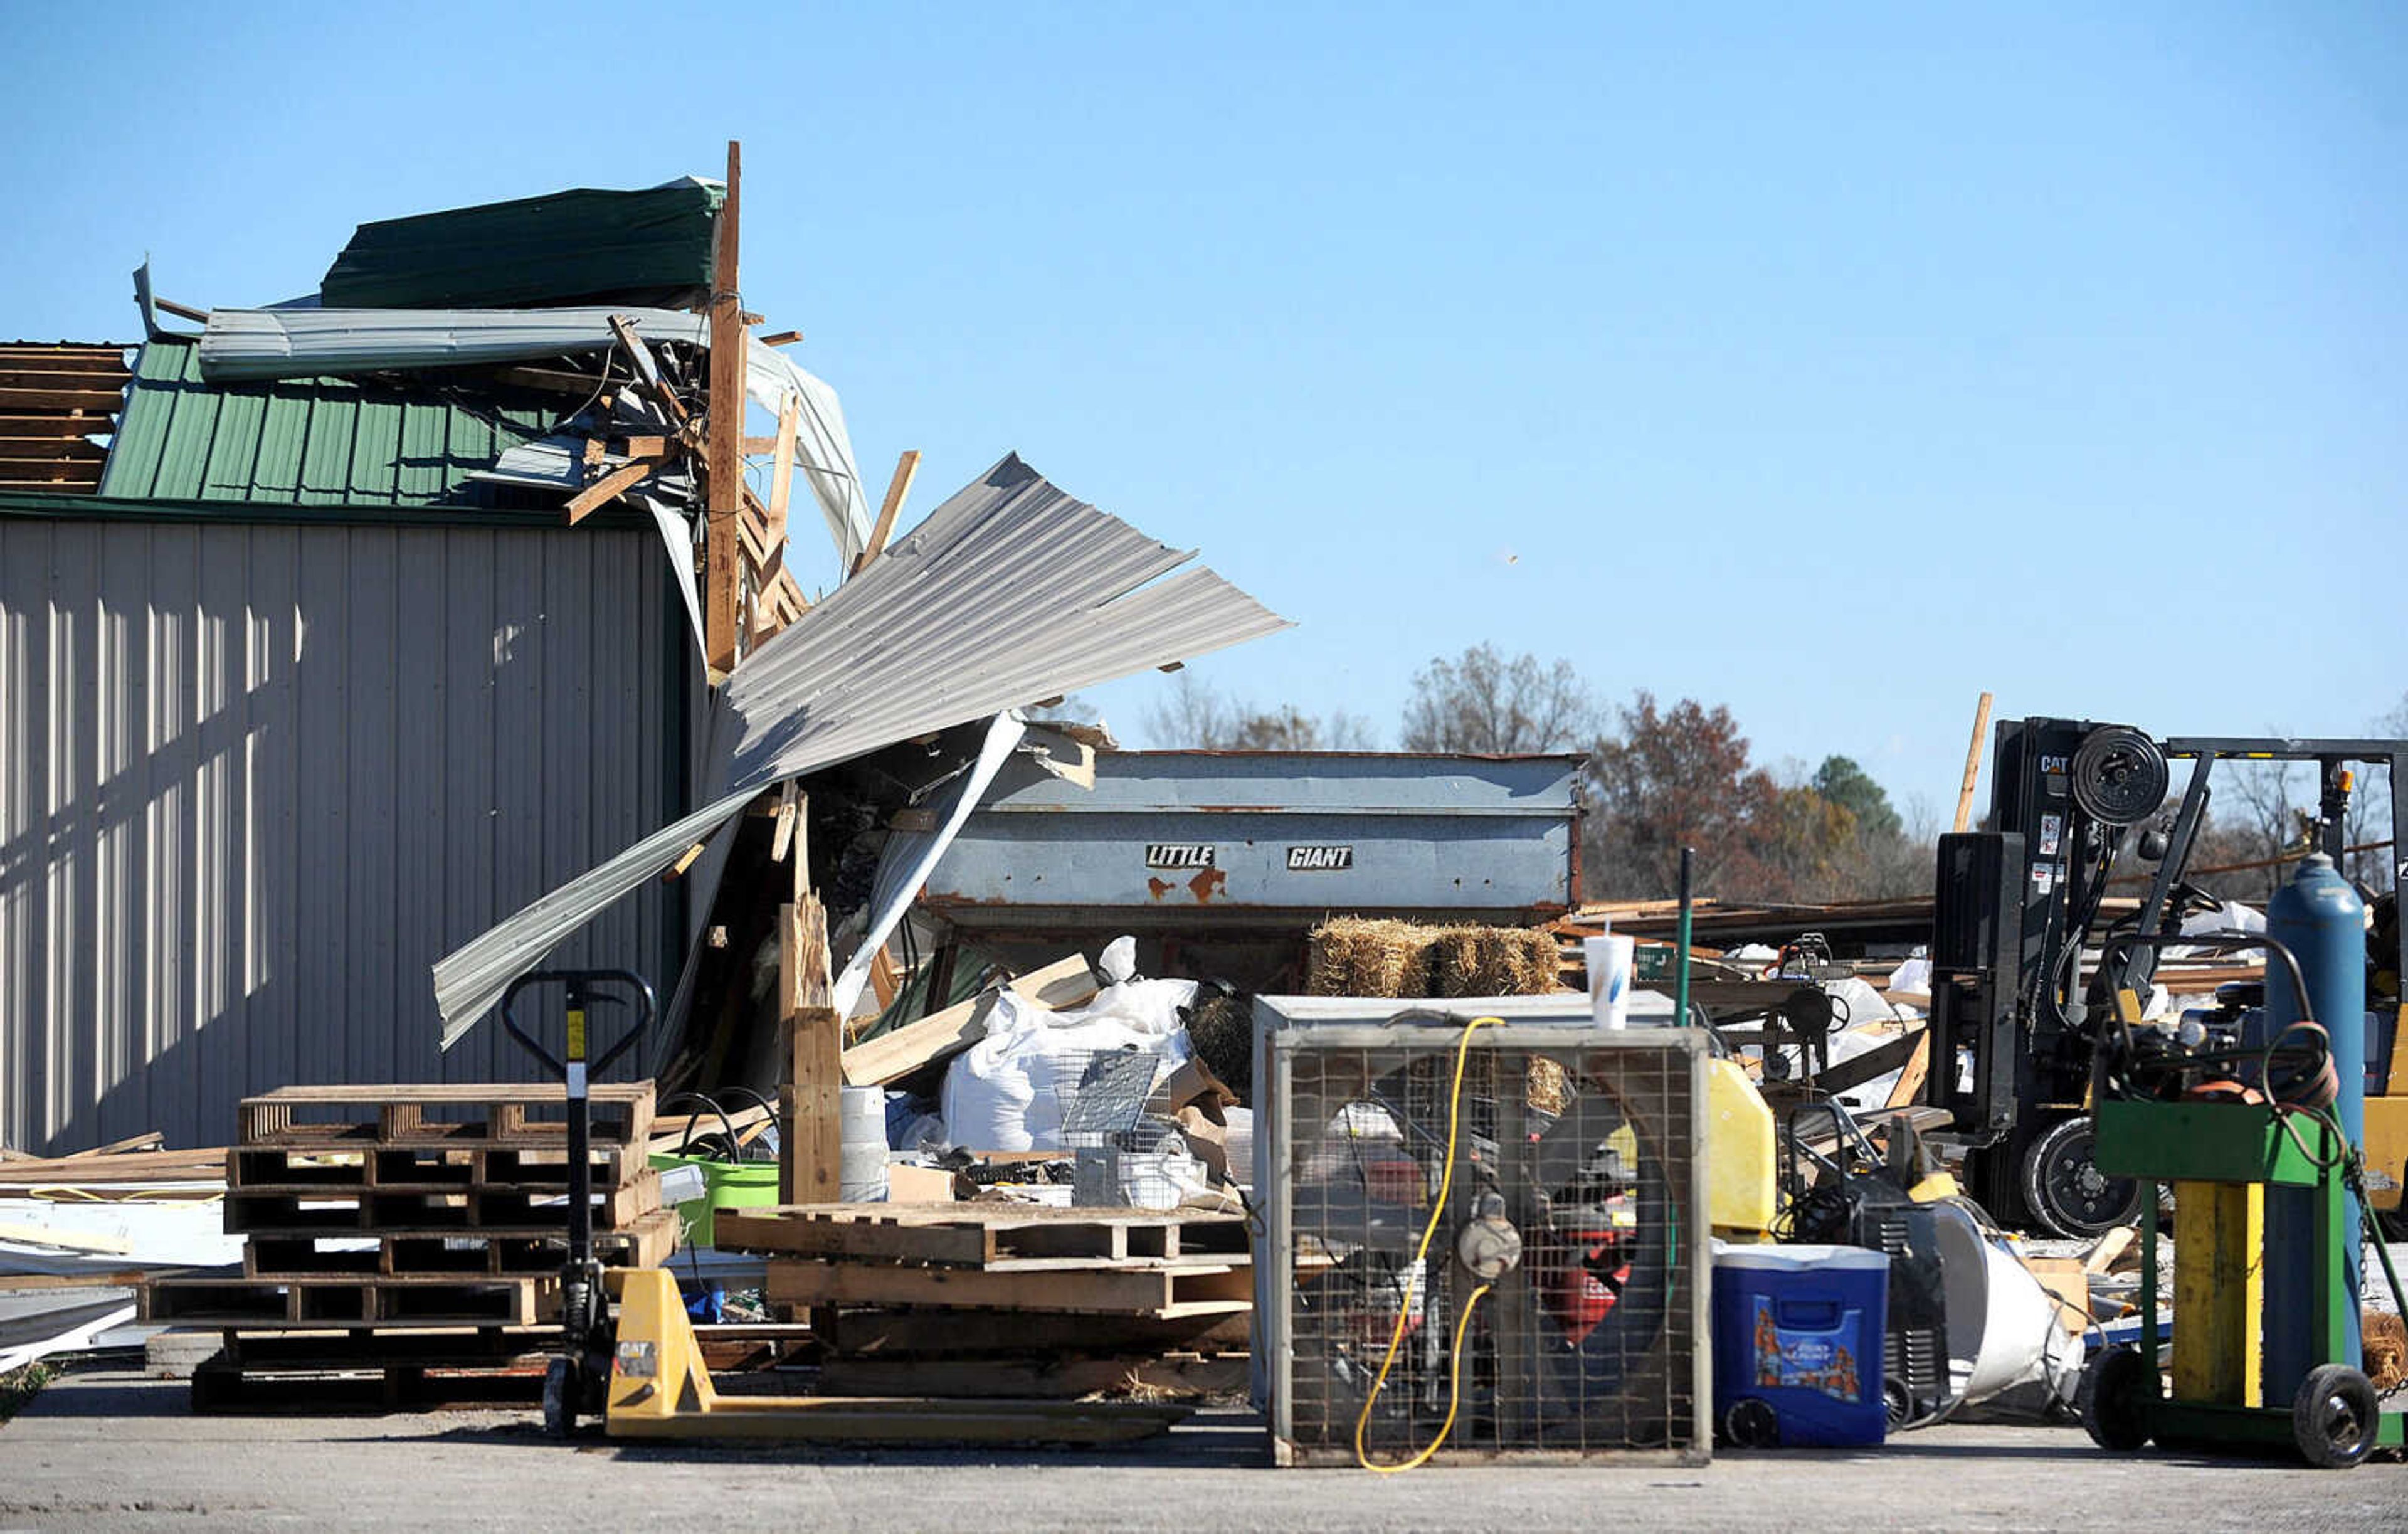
[[1319, 859], [1179, 854]]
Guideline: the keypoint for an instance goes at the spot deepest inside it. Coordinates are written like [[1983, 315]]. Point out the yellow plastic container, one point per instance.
[[1739, 1189]]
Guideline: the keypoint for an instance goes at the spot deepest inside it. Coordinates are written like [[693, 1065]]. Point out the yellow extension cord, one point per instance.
[[1413, 1275]]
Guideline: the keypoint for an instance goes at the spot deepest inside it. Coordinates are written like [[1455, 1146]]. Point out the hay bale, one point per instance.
[[2386, 1347], [1548, 1085], [1353, 957], [1492, 961]]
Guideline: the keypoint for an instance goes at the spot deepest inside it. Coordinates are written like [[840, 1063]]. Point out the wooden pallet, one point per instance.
[[429, 1209], [994, 1237], [285, 1170], [348, 1302], [647, 1241], [1163, 1291], [222, 1387], [390, 1347], [439, 1114]]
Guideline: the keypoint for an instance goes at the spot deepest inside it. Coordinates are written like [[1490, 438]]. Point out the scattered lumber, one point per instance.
[[891, 1056]]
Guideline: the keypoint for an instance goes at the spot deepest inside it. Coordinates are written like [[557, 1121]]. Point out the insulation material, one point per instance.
[[1012, 591]]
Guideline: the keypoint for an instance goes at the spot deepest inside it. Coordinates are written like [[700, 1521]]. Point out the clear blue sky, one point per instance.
[[1834, 368]]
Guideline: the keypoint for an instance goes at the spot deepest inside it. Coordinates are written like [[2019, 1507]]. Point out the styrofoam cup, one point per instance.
[[1609, 979]]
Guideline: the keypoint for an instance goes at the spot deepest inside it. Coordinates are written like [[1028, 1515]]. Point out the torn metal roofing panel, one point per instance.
[[276, 343], [313, 441], [1009, 592], [587, 245]]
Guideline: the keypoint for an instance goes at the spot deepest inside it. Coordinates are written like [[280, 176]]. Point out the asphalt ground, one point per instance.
[[103, 1450]]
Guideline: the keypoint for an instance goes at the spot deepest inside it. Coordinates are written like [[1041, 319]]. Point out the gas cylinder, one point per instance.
[[2319, 917]]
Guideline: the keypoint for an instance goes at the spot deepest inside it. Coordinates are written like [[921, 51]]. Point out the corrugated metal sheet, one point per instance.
[[253, 779], [253, 344], [1011, 591], [649, 246], [322, 442]]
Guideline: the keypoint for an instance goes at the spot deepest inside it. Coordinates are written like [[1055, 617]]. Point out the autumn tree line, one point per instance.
[[1656, 778], [1659, 777]]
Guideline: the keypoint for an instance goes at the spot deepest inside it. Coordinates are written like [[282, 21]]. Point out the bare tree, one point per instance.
[[1196, 715], [1191, 713], [1481, 702]]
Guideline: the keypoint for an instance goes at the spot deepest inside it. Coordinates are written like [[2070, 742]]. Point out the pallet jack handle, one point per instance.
[[574, 1382]]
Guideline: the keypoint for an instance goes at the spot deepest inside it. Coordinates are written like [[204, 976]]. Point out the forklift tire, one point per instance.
[[2115, 1397], [2064, 1188], [559, 1400], [2335, 1417]]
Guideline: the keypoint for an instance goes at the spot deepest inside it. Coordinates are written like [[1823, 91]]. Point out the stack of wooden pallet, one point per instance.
[[1010, 1299], [395, 1230]]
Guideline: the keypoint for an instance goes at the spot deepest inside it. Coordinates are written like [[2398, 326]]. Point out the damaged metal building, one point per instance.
[[335, 634]]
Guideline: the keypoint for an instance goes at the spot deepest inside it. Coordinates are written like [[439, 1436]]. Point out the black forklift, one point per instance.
[[2022, 967]]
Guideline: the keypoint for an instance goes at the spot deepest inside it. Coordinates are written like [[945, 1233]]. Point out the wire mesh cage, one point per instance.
[[1495, 1236]]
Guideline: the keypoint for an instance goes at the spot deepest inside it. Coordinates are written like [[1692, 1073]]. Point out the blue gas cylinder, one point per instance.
[[2319, 917]]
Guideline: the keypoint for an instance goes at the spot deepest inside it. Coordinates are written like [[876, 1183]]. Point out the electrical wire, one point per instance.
[[1413, 1276]]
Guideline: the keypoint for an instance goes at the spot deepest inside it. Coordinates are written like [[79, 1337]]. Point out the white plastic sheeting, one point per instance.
[[314, 343], [1011, 591]]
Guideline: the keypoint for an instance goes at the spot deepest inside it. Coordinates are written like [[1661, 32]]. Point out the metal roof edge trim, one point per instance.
[[46, 505]]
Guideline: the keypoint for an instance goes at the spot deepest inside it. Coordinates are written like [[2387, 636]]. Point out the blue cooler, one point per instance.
[[1798, 1345]]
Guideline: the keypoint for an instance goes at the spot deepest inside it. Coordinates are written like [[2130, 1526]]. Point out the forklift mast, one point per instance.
[[2017, 903]]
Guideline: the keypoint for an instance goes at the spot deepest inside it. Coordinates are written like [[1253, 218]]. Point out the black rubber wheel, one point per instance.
[[2064, 1188], [559, 1399], [1752, 1424], [2334, 1417], [2118, 1390], [1898, 1403]]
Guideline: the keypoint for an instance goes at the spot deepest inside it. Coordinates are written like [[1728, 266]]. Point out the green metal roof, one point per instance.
[[351, 442], [584, 246]]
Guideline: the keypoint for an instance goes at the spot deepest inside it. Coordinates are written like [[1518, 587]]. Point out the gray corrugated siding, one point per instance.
[[256, 780]]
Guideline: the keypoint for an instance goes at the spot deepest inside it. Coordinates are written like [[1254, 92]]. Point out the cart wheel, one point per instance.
[[2334, 1417], [1898, 1403], [2117, 1392], [1752, 1424], [559, 1399]]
